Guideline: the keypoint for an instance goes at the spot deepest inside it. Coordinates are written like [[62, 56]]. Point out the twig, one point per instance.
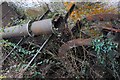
[[15, 53], [67, 46]]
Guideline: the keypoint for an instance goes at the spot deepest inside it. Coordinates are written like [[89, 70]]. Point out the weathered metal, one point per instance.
[[42, 27], [73, 43], [46, 26], [103, 17], [37, 28]]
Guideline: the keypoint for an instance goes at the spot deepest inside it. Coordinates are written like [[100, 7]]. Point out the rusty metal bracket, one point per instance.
[[69, 13]]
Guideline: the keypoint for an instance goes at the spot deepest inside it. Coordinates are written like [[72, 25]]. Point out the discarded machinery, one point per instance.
[[32, 28], [55, 27]]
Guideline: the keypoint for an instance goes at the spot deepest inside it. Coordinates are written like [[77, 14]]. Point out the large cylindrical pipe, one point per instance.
[[15, 31], [42, 27], [37, 28]]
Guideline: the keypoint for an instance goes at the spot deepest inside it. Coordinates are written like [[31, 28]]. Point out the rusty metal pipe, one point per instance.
[[103, 17], [73, 43], [37, 28]]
